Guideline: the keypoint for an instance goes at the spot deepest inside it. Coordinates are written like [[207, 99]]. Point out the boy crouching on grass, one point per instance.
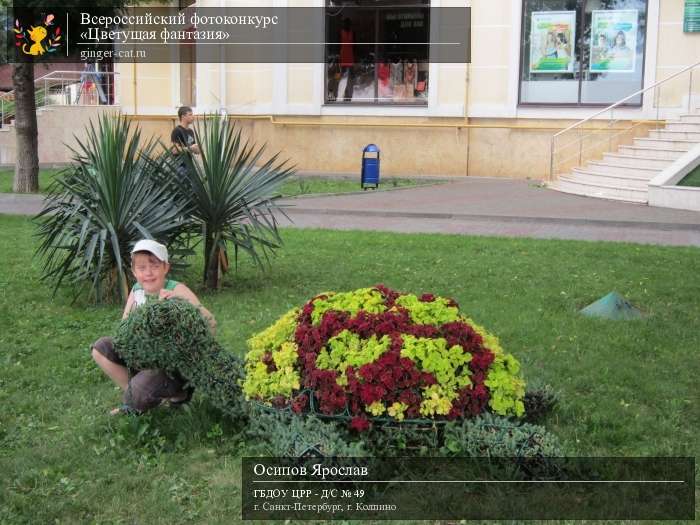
[[146, 389]]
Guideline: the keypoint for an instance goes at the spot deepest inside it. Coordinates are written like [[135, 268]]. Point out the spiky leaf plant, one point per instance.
[[112, 195], [232, 192]]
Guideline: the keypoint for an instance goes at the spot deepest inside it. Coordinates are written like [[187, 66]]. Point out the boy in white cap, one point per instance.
[[146, 389]]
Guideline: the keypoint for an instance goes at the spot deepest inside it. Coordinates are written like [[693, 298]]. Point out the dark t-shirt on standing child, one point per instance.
[[182, 136]]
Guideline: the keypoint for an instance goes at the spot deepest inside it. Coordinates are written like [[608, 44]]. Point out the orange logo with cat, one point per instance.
[[37, 40]]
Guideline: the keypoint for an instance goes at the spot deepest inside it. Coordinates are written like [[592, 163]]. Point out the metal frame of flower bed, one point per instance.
[[345, 415], [385, 422], [436, 426]]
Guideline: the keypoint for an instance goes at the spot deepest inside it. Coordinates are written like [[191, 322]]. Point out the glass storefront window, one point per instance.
[[582, 52], [377, 54]]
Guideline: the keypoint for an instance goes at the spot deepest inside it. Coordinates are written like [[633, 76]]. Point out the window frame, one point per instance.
[[580, 10], [420, 103]]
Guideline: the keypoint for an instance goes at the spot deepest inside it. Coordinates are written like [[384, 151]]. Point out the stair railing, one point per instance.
[[578, 143], [63, 88]]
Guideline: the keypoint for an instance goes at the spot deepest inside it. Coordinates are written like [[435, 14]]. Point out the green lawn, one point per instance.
[[45, 178], [627, 388], [692, 179], [294, 186], [310, 185]]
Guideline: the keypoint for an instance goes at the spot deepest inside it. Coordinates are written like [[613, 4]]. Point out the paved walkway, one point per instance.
[[500, 207], [476, 206], [16, 204]]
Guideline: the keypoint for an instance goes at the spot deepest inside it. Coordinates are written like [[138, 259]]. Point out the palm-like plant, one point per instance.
[[114, 194], [232, 195]]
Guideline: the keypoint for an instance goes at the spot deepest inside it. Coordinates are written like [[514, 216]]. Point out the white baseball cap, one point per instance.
[[151, 246]]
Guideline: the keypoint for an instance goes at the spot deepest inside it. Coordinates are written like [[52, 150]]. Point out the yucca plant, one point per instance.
[[114, 194], [232, 194]]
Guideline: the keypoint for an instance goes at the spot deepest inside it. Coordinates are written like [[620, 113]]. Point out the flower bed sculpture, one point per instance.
[[374, 354]]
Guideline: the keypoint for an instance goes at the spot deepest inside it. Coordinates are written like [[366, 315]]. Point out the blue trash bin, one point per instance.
[[370, 167]]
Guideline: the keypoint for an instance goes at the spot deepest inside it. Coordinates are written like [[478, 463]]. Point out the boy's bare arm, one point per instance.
[[129, 305]]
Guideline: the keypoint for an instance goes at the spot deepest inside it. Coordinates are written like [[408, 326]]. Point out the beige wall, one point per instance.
[[676, 50], [247, 84], [491, 58], [148, 88], [58, 128], [512, 148], [333, 148], [334, 144], [300, 83]]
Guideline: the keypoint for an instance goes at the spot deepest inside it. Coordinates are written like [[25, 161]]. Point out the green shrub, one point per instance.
[[404, 439], [539, 402], [285, 434], [172, 335], [490, 435]]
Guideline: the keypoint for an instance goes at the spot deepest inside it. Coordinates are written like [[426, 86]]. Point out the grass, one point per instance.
[[309, 185], [294, 186], [45, 178], [627, 388], [692, 179]]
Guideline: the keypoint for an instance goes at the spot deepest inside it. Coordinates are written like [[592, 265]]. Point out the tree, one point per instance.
[[26, 178], [232, 195], [27, 162]]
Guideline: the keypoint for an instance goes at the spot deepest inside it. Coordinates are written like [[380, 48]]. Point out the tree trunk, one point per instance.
[[211, 263], [27, 165], [214, 280]]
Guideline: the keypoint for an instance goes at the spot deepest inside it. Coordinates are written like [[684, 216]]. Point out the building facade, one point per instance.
[[536, 67]]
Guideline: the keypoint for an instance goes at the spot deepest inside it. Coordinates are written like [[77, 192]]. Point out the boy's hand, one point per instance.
[[167, 294]]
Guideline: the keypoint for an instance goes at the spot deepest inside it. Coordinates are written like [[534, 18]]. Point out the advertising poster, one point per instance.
[[614, 41], [691, 16], [552, 37]]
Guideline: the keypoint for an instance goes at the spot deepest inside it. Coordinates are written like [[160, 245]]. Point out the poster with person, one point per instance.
[[552, 37], [614, 41]]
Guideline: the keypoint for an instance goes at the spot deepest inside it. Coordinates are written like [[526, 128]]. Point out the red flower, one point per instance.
[[305, 315], [359, 424], [390, 296], [387, 379], [332, 323], [366, 394], [369, 371], [424, 330], [481, 361], [299, 403], [410, 397], [355, 407], [269, 362], [406, 363], [455, 412], [428, 379], [279, 402], [472, 399], [460, 333]]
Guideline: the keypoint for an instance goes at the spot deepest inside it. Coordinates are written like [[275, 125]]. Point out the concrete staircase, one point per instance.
[[625, 175]]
